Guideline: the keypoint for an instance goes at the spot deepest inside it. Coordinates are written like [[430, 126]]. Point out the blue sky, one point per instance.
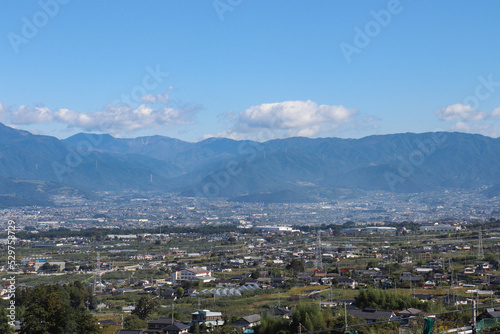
[[249, 68]]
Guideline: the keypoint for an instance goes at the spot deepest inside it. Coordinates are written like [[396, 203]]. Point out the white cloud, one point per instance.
[[470, 120], [113, 118], [462, 112], [74, 119], [123, 118], [160, 98], [486, 129], [29, 115], [496, 113], [461, 127], [285, 119]]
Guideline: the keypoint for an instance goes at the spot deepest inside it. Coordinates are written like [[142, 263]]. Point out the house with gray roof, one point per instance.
[[249, 321], [372, 314]]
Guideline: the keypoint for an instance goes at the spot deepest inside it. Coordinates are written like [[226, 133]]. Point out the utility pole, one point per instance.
[[172, 312], [480, 250], [319, 255], [345, 315], [474, 314], [97, 275], [300, 328]]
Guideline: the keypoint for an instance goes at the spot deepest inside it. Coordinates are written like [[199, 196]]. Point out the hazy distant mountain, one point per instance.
[[181, 154], [33, 157], [317, 169], [401, 163], [28, 192], [157, 147]]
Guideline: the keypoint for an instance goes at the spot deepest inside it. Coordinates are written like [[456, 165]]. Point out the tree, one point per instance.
[[203, 328], [46, 313], [5, 327], [387, 300], [308, 316], [339, 323], [87, 323], [372, 263], [133, 322], [196, 328], [179, 292], [145, 307], [349, 223], [56, 309], [296, 266], [308, 323], [47, 267], [270, 325], [86, 267], [58, 314], [255, 274], [70, 266]]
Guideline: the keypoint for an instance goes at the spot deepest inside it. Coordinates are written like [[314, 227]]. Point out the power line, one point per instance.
[[480, 250], [97, 279]]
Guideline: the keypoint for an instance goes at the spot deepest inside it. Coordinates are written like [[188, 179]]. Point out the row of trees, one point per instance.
[[307, 318], [101, 233], [387, 300]]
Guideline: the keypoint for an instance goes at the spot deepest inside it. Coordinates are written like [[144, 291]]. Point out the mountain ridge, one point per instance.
[[405, 162]]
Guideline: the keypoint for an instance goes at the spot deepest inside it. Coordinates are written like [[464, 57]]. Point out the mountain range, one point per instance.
[[295, 169]]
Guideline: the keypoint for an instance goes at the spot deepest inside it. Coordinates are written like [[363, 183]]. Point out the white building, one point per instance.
[[274, 229], [381, 229], [192, 274], [440, 227]]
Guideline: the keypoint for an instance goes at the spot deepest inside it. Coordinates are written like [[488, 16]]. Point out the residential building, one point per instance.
[[177, 328], [192, 274], [282, 312], [247, 322], [372, 314], [157, 326], [211, 319]]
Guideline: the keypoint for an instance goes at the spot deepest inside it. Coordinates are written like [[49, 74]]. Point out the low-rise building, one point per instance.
[[372, 314], [209, 318], [191, 274], [247, 322]]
